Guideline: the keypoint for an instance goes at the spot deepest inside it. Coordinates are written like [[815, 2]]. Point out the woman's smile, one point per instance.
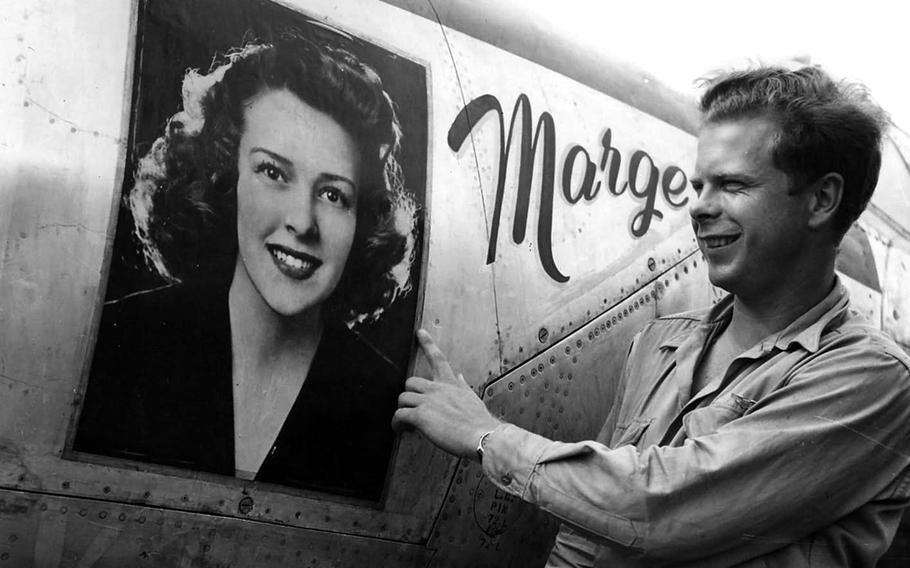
[[297, 187], [294, 264]]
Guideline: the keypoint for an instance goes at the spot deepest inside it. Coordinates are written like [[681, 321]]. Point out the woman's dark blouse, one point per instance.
[[160, 391]]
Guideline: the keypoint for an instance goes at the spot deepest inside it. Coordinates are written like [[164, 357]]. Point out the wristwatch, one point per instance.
[[481, 443]]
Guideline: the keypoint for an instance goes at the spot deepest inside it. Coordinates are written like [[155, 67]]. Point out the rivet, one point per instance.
[[245, 505], [543, 335], [511, 387], [652, 264]]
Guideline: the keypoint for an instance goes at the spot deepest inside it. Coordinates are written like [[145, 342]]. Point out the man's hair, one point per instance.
[[823, 126], [184, 201]]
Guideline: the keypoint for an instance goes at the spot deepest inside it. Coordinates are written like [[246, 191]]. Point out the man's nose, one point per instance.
[[705, 206]]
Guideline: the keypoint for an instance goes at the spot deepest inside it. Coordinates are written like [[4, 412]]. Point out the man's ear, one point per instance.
[[824, 199]]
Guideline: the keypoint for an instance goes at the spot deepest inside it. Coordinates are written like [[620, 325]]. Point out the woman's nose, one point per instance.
[[300, 215]]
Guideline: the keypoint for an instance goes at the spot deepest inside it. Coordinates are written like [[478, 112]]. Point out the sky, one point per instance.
[[679, 41]]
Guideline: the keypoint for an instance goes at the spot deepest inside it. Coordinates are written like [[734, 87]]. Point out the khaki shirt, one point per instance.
[[799, 455]]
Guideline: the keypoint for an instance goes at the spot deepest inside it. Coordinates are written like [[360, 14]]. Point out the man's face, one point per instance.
[[749, 225]]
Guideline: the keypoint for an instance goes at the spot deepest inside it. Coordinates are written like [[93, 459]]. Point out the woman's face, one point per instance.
[[298, 175]]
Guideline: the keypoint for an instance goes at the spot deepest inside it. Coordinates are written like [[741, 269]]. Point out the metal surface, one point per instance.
[[542, 352], [563, 393], [50, 531]]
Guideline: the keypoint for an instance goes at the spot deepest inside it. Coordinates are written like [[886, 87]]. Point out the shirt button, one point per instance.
[[506, 478]]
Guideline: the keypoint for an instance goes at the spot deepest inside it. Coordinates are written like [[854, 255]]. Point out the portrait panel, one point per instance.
[[263, 279]]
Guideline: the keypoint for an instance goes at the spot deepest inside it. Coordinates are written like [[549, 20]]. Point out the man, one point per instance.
[[770, 430]]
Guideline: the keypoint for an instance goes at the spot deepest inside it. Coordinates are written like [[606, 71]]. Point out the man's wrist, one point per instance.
[[481, 444]]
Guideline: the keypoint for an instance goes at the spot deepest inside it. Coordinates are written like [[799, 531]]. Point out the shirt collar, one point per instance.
[[806, 330], [719, 313]]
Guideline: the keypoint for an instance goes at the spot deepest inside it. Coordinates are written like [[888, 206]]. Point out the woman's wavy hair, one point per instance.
[[184, 200]]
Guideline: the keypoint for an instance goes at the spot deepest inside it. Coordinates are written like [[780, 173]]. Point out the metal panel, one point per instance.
[[896, 300], [514, 30], [48, 531], [577, 234], [563, 393], [61, 172]]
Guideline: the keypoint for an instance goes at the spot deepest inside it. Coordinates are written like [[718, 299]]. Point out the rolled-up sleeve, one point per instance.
[[833, 438]]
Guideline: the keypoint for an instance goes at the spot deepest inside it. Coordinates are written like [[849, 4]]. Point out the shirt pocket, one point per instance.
[[709, 419], [630, 433]]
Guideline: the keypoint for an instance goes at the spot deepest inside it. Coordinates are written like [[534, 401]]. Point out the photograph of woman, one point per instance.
[[274, 209]]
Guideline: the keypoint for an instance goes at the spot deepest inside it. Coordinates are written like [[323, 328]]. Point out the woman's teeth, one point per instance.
[[291, 261]]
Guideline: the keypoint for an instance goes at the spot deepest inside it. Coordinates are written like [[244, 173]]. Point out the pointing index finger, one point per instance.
[[438, 362]]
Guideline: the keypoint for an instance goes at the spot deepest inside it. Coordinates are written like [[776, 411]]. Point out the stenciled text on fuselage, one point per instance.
[[643, 180]]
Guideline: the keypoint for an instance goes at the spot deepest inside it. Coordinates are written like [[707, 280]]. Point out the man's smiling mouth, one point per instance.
[[719, 241]]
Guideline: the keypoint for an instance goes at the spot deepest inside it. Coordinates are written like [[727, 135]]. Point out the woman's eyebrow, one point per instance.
[[275, 156], [336, 177]]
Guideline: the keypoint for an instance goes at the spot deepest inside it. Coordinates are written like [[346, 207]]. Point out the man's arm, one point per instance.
[[803, 457]]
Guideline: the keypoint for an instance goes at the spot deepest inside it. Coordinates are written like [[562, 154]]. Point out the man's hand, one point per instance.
[[443, 408]]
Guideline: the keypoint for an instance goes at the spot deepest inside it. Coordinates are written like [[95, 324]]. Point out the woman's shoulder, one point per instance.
[[164, 326]]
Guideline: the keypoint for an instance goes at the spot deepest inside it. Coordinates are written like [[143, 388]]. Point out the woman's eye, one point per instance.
[[335, 196], [271, 171]]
